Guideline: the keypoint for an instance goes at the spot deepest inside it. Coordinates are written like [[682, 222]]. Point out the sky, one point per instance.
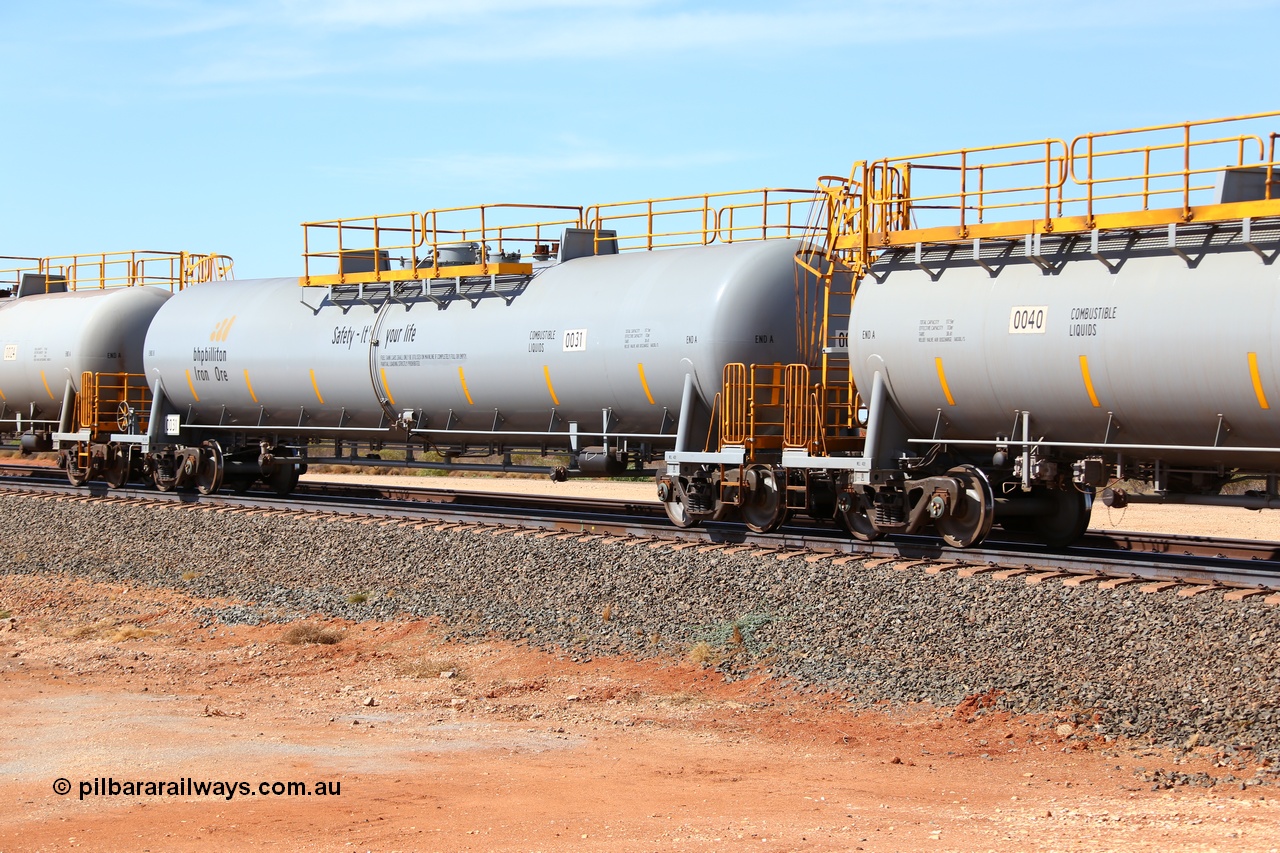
[[220, 126]]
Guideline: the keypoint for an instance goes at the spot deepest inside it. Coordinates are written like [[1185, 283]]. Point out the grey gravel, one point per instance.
[[239, 614], [1173, 671]]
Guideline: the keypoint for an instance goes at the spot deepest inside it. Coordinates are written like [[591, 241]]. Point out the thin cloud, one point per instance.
[[573, 156], [290, 41], [468, 164], [346, 14]]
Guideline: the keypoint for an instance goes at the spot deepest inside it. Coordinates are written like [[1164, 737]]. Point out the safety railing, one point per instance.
[[735, 404], [699, 220], [801, 409], [1177, 169], [12, 268], [499, 239], [103, 270], [1216, 168], [819, 416], [443, 243], [752, 406], [1025, 177], [199, 269], [114, 403]]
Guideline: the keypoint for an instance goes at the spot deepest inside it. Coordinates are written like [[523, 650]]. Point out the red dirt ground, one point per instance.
[[525, 750]]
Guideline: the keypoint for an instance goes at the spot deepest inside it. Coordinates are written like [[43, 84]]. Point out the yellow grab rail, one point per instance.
[[735, 418], [198, 269], [114, 403], [802, 409], [104, 270], [1115, 179], [752, 409], [699, 220], [441, 243], [498, 239]]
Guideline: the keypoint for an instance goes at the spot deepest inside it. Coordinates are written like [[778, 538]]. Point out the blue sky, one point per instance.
[[219, 126]]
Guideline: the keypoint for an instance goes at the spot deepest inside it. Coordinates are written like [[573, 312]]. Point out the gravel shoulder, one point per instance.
[[641, 697], [519, 749]]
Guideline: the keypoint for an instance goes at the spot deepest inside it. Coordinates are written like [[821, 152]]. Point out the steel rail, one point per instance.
[[1192, 560]]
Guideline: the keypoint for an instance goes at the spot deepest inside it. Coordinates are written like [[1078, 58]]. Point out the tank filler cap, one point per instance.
[[458, 254]]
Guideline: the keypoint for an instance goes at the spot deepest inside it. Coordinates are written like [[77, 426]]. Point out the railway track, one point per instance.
[[1187, 564]]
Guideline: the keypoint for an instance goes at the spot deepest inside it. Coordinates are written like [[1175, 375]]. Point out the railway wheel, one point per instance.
[[852, 517], [237, 485], [679, 514], [725, 512], [76, 475], [969, 521], [673, 501], [164, 481], [764, 505], [1069, 520], [284, 479], [210, 471], [116, 472]]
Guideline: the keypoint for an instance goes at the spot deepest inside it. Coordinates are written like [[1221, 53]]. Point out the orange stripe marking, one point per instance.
[[463, 379], [316, 388], [942, 380], [546, 372], [644, 383], [1088, 381], [386, 387], [1257, 381]]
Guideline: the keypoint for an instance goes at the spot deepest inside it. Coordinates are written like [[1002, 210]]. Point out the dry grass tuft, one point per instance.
[[190, 576], [309, 633], [705, 654], [132, 632], [358, 598], [430, 668], [111, 630], [97, 629]]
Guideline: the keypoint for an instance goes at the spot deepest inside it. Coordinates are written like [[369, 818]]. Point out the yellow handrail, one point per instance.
[[114, 403], [105, 270], [735, 421], [487, 239], [753, 407], [802, 418], [699, 220], [438, 243], [1111, 179]]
